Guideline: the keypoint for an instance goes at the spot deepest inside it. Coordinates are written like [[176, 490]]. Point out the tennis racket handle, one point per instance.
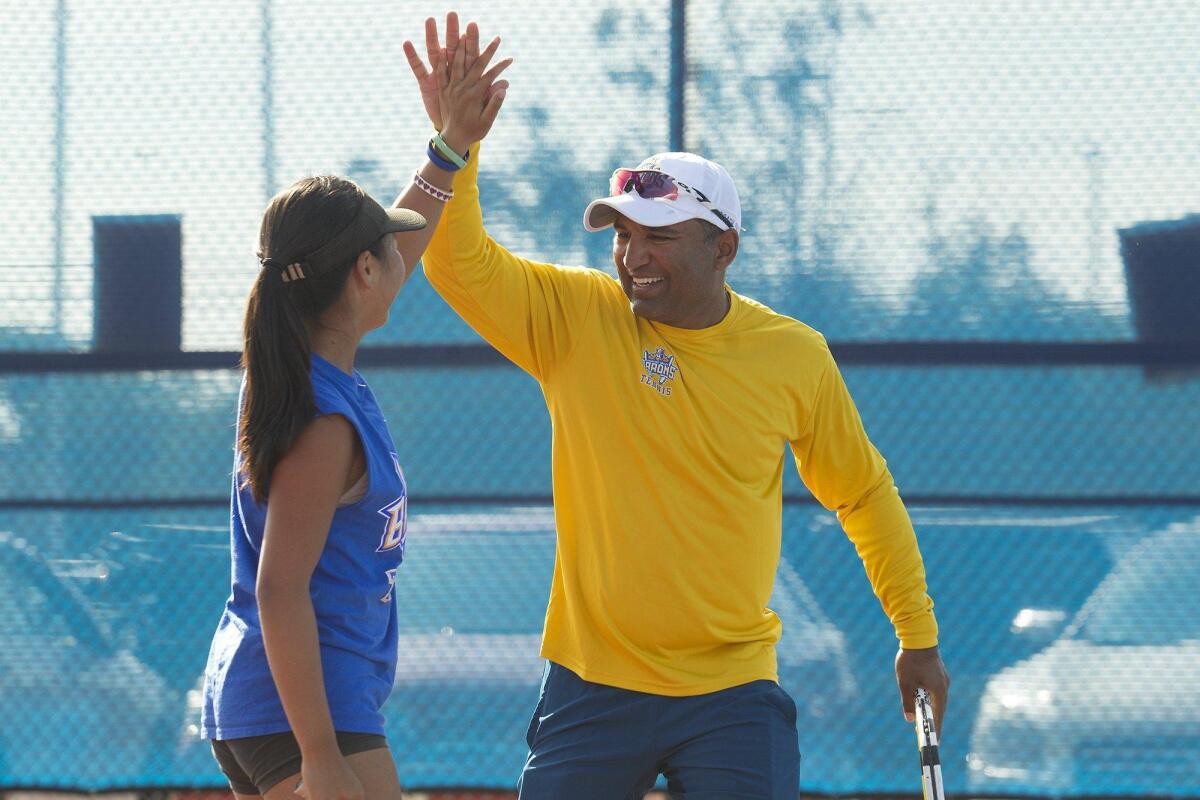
[[926, 731]]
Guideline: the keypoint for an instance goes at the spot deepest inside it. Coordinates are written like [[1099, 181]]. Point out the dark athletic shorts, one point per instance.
[[588, 741], [256, 763]]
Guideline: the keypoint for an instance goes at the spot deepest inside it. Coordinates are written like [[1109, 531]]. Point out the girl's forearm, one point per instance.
[[412, 244], [289, 628]]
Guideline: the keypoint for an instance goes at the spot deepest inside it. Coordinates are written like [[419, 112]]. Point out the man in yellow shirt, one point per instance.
[[673, 400]]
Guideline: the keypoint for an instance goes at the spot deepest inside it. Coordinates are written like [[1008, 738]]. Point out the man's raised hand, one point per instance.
[[436, 78]]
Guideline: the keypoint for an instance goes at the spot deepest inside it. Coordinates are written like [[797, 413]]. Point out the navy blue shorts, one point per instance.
[[587, 740]]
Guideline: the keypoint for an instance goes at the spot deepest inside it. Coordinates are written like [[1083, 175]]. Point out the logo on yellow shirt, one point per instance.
[[660, 368]]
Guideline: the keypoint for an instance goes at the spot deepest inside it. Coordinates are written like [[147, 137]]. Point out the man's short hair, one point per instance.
[[711, 231]]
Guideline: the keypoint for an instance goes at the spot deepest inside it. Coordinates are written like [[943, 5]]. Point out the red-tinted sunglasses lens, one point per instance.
[[620, 182], [650, 185]]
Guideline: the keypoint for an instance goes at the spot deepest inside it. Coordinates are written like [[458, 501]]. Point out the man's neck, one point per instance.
[[711, 315]]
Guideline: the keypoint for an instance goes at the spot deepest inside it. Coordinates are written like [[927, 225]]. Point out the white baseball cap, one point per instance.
[[691, 188]]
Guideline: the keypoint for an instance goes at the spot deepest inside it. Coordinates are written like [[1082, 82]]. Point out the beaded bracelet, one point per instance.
[[431, 190]]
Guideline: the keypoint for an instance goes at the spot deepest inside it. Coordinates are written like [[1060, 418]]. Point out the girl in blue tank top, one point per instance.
[[305, 652]]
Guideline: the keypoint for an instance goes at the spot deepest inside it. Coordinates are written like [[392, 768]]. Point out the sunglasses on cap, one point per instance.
[[654, 185]]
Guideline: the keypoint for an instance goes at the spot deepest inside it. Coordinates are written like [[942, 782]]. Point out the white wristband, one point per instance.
[[431, 190]]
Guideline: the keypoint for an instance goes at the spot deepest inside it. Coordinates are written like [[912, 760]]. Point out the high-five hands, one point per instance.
[[461, 95]]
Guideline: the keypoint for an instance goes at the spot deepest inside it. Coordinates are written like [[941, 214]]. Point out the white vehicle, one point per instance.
[[1112, 707], [77, 708]]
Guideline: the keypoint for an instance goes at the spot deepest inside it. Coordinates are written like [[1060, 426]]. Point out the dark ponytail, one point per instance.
[[277, 350]]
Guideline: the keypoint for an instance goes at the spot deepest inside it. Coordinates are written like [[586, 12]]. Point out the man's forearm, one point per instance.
[[884, 538]]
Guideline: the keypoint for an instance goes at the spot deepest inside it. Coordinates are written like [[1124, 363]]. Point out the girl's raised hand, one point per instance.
[[429, 78]]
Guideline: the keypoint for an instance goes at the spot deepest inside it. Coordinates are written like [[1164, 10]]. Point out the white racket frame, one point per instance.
[[927, 744]]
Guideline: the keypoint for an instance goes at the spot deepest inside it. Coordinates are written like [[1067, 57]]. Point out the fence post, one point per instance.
[[268, 100], [678, 73]]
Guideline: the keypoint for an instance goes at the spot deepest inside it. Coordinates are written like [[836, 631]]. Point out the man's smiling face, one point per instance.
[[670, 274]]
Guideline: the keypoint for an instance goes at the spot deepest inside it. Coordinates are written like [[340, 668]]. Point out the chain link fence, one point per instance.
[[938, 174]]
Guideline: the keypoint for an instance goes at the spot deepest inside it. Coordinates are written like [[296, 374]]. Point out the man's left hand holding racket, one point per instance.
[[922, 669]]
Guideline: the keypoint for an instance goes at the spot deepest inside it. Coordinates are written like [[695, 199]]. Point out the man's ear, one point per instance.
[[727, 248]]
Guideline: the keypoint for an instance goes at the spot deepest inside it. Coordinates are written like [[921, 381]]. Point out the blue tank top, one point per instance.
[[351, 588]]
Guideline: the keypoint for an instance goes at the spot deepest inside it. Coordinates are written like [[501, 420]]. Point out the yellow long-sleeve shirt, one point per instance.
[[668, 458]]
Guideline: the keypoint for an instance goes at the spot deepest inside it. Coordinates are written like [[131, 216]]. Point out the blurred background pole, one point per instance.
[[1094, 156], [678, 71], [268, 102], [60, 167]]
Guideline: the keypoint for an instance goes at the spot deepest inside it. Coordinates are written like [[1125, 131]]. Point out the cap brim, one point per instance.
[[602, 212], [400, 220], [371, 222]]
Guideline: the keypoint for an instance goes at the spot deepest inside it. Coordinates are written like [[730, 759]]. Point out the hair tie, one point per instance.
[[293, 272]]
